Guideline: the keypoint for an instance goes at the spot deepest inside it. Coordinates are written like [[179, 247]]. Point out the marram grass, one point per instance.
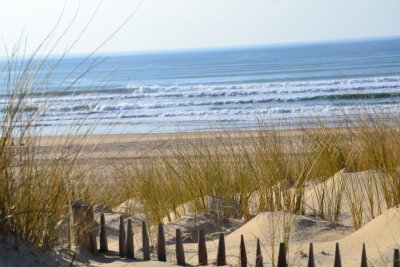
[[268, 170]]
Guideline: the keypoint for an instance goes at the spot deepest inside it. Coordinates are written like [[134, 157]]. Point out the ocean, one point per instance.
[[214, 89]]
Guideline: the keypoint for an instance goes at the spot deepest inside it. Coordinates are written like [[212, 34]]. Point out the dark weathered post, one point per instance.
[[221, 258], [338, 260], [103, 234], [282, 255], [83, 227], [92, 241], [122, 238], [364, 262], [130, 249], [203, 258], [259, 258], [145, 242], [180, 254], [311, 261], [243, 255], [396, 258], [161, 251]]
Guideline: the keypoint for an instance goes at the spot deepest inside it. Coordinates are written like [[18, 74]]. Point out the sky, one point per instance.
[[176, 24]]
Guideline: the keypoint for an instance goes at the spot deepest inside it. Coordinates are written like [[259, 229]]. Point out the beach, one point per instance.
[[199, 133], [299, 145]]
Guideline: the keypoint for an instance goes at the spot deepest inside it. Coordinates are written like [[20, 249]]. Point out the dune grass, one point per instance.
[[37, 181], [268, 170]]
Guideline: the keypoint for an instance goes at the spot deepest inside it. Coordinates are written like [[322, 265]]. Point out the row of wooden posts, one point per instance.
[[126, 245]]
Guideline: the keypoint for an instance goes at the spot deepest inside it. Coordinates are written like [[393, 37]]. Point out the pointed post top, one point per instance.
[[364, 262], [282, 255], [338, 260], [243, 255], [311, 261], [145, 242], [221, 258], [259, 258], [202, 249], [180, 253]]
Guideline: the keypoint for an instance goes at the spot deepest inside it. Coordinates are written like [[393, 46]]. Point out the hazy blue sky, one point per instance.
[[171, 24]]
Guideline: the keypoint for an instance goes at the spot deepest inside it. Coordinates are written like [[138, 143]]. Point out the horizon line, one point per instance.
[[225, 47]]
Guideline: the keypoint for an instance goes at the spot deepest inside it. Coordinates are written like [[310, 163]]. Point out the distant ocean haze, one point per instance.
[[218, 88]]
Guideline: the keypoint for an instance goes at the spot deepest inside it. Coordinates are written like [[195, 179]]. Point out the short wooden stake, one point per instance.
[[396, 258], [161, 251], [282, 255], [221, 258], [338, 260], [130, 248], [122, 238], [203, 257], [83, 227], [364, 262], [243, 255], [103, 234], [145, 242], [180, 253], [92, 247], [311, 261], [259, 257]]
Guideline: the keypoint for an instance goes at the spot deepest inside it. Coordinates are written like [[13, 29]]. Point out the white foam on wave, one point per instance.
[[283, 91], [232, 101]]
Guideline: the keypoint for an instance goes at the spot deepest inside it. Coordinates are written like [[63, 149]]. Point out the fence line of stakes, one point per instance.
[[83, 233]]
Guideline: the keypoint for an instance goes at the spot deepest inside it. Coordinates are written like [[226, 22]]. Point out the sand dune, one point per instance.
[[380, 233]]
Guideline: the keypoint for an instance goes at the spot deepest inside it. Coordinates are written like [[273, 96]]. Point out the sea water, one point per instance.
[[213, 89]]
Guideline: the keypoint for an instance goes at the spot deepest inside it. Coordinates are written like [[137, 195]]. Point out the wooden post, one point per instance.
[[122, 238], [83, 227], [396, 258], [130, 248], [103, 234], [161, 251], [202, 249], [180, 253], [364, 262], [338, 260], [282, 255], [259, 257], [145, 242], [311, 261], [243, 255], [92, 241], [221, 258]]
